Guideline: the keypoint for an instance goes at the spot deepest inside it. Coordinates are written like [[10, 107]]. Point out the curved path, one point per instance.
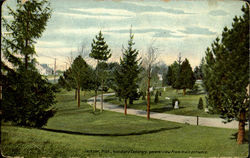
[[192, 120]]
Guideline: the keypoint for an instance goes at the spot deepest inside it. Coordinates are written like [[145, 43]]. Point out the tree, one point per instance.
[[29, 22], [80, 74], [187, 79], [100, 52], [200, 104], [175, 73], [148, 62], [168, 76], [156, 97], [126, 77], [27, 96], [226, 73]]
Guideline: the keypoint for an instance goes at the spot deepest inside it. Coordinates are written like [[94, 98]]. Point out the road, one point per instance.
[[192, 120]]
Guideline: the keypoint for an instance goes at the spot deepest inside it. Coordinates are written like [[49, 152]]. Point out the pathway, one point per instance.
[[192, 120]]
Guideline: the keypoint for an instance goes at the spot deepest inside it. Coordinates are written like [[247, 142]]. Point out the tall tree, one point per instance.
[[80, 73], [175, 75], [27, 97], [29, 22], [126, 77], [168, 76], [187, 79], [226, 73], [100, 52], [148, 62]]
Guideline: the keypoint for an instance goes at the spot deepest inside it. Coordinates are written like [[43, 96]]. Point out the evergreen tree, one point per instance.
[[156, 97], [226, 73], [169, 76], [175, 77], [100, 52], [187, 79], [126, 77], [29, 22], [80, 73], [200, 104], [27, 96]]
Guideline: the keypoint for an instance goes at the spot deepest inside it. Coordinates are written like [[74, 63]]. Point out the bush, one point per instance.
[[156, 97], [200, 104], [195, 88], [174, 100], [28, 98]]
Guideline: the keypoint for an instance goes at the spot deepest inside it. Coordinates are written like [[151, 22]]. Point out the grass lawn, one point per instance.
[[108, 134], [188, 103]]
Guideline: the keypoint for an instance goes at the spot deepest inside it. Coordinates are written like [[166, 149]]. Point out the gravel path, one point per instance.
[[192, 120]]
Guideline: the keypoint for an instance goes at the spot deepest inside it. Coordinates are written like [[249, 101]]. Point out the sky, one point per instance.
[[181, 26]]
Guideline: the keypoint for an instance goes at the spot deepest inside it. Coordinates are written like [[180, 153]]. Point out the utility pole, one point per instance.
[[66, 65], [55, 71]]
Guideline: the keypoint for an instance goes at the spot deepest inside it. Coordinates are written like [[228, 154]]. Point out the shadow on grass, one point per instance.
[[112, 135]]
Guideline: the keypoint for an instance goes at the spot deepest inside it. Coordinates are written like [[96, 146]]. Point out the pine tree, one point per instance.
[[156, 97], [28, 24], [187, 79], [100, 52], [169, 76], [200, 104], [27, 96], [226, 73], [126, 77]]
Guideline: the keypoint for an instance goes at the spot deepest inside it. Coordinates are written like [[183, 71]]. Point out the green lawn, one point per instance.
[[188, 103], [108, 134]]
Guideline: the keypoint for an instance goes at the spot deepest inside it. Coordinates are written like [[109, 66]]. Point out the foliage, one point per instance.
[[156, 97], [226, 72], [27, 98], [200, 104], [28, 24], [126, 77], [100, 49], [187, 79]]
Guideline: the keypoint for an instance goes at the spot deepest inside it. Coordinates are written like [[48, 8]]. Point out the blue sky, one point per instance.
[[186, 27]]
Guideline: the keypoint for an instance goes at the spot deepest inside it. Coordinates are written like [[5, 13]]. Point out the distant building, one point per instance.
[[44, 69]]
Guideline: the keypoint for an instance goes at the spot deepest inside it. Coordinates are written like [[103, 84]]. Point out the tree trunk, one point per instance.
[[125, 107], [26, 62], [78, 97], [75, 94], [148, 96], [241, 130], [184, 91], [95, 100], [102, 98]]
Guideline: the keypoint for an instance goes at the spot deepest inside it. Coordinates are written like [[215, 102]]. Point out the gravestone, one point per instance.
[[206, 110], [176, 106], [164, 89]]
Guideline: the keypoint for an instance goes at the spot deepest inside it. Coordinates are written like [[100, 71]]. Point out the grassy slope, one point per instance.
[[139, 134], [188, 103]]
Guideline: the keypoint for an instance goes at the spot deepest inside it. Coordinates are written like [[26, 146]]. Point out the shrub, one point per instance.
[[200, 104], [156, 97]]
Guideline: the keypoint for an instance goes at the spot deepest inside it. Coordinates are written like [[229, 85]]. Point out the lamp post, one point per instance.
[[1, 3]]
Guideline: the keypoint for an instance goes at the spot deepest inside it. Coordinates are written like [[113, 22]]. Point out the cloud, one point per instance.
[[104, 11], [217, 13], [197, 31], [87, 16]]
